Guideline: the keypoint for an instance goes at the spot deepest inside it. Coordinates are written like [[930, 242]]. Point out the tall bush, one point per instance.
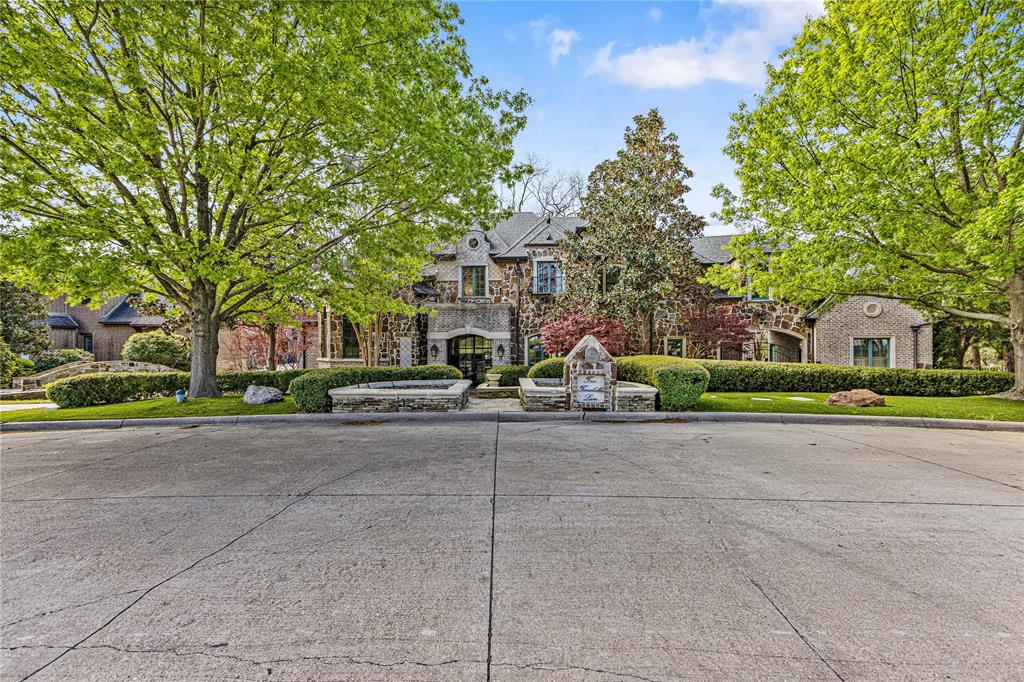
[[158, 348], [680, 382]]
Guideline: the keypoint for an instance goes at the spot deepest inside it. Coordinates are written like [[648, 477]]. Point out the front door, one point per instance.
[[472, 355]]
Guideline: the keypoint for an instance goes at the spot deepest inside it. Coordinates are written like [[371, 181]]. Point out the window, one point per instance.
[[675, 346], [758, 295], [86, 341], [871, 353], [609, 278], [349, 342], [547, 278], [474, 281], [534, 350]]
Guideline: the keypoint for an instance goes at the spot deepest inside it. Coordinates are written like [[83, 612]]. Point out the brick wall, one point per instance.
[[835, 330], [107, 340]]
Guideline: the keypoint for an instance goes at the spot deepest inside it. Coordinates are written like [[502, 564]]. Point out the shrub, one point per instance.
[[118, 387], [158, 348], [114, 387], [23, 367], [510, 374], [8, 363], [547, 369], [743, 376], [61, 356], [310, 389], [680, 382]]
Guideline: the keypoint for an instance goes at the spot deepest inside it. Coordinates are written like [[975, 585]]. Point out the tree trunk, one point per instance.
[[975, 356], [205, 325], [1016, 296], [271, 347]]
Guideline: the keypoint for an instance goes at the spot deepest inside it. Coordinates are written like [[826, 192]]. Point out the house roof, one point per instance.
[[60, 321], [124, 313], [711, 249]]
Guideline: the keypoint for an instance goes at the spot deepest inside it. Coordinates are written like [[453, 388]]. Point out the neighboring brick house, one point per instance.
[[488, 296], [101, 331]]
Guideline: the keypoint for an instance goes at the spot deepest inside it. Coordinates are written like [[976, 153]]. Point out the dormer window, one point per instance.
[[474, 281]]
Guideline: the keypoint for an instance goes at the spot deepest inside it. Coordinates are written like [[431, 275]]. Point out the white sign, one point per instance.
[[590, 389]]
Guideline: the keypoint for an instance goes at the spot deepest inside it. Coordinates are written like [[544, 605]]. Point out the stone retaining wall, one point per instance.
[[73, 369], [401, 396]]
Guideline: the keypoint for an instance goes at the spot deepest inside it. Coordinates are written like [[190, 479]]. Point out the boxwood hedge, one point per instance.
[[547, 369], [680, 382], [746, 376], [510, 374], [119, 387], [310, 389]]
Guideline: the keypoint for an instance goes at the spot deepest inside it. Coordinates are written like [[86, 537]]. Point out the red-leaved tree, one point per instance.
[[709, 325], [563, 334]]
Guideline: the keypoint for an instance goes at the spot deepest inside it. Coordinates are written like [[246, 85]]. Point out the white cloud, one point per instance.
[[654, 14], [737, 56], [560, 42]]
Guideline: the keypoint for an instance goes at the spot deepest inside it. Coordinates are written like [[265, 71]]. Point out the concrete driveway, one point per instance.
[[611, 552]]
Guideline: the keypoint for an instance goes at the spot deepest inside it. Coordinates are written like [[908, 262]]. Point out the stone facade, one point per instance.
[[836, 327]]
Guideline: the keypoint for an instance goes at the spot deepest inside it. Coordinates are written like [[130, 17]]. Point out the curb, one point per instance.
[[372, 418]]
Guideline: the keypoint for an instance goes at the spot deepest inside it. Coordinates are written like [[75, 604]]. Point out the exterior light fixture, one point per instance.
[[501, 350], [434, 350]]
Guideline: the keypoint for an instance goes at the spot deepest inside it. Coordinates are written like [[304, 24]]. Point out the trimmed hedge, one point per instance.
[[310, 389], [119, 387], [114, 387], [734, 376], [547, 369], [158, 348], [510, 374], [680, 382]]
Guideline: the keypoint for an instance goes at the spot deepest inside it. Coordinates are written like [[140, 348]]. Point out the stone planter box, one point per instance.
[[402, 396], [548, 395]]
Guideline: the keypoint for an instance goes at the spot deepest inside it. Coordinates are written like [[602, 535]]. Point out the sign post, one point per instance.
[[590, 377]]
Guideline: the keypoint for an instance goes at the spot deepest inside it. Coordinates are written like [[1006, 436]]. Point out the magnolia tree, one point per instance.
[[884, 156], [640, 225], [212, 153], [562, 335]]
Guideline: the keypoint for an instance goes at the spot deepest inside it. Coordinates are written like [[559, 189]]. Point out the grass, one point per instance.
[[972, 407], [160, 407]]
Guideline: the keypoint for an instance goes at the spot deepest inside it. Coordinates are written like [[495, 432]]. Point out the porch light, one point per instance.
[[501, 350], [434, 350]]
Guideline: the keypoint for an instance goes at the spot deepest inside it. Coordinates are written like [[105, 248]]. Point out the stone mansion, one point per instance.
[[488, 296]]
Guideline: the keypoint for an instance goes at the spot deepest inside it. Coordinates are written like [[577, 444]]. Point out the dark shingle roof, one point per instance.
[[711, 249], [60, 321], [124, 313]]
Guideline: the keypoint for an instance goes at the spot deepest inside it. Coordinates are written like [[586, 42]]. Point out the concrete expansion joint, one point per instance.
[[552, 667]]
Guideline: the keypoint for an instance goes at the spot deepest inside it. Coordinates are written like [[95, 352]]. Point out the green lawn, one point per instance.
[[160, 407], [974, 407]]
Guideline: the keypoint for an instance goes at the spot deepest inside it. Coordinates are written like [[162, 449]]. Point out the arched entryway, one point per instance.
[[472, 355]]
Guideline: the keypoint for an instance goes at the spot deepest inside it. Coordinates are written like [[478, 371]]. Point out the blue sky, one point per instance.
[[591, 66]]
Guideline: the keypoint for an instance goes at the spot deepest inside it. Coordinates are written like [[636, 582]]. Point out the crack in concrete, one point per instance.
[[795, 629], [69, 606], [551, 667], [302, 497]]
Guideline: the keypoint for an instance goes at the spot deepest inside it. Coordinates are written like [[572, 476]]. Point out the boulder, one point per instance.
[[858, 397], [260, 395]]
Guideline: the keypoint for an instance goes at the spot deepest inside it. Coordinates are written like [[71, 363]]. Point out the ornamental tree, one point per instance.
[[639, 227], [709, 325], [884, 156], [211, 152], [562, 335]]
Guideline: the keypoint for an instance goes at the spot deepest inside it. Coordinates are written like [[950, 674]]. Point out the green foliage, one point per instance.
[[23, 367], [743, 376], [21, 309], [550, 368], [639, 223], [221, 154], [8, 364], [884, 155], [61, 356], [159, 348], [510, 374], [310, 390], [118, 387], [114, 387], [680, 382]]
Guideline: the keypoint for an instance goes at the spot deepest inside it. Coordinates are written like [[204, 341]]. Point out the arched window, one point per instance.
[[534, 350]]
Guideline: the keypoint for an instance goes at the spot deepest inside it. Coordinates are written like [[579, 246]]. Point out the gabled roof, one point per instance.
[[510, 237], [60, 321], [124, 313], [711, 249]]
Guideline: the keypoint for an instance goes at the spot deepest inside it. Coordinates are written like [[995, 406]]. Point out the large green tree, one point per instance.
[[884, 156], [214, 152], [634, 256], [21, 313]]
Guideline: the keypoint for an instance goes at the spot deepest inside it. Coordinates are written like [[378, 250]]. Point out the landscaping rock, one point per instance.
[[858, 397], [261, 395]]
